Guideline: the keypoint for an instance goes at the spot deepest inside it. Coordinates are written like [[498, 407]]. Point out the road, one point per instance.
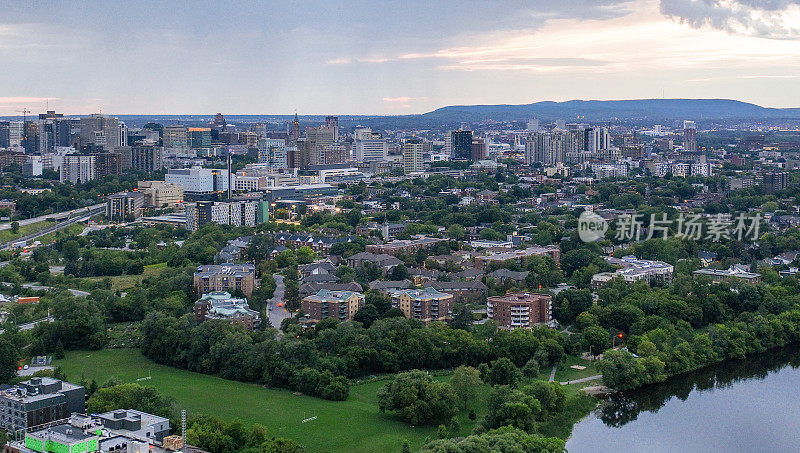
[[41, 218], [276, 313], [36, 287], [32, 324], [80, 217]]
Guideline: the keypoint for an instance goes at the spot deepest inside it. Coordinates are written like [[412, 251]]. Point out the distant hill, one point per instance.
[[637, 109]]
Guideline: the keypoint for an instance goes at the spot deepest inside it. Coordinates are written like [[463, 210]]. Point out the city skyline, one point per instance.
[[391, 58]]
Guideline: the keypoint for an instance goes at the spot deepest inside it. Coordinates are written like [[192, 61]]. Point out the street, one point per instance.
[[277, 314]]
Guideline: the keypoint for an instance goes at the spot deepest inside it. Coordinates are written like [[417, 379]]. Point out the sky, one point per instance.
[[389, 57]]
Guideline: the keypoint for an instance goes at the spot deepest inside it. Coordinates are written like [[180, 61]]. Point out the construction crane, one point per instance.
[[24, 112]]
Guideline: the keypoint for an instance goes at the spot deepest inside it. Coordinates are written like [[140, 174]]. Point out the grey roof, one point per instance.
[[319, 278], [459, 286], [389, 284], [503, 274]]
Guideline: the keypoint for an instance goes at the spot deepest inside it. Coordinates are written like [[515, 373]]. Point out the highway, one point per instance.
[[79, 216], [31, 325], [41, 218]]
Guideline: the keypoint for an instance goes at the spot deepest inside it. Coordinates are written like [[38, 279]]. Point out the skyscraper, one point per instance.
[[100, 130], [11, 134], [54, 131], [332, 123], [548, 148], [689, 137], [412, 156], [461, 145], [176, 137]]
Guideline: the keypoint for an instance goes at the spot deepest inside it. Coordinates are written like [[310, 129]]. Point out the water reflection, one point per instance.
[[624, 408]]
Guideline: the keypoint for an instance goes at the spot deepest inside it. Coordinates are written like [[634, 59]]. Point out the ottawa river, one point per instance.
[[750, 405]]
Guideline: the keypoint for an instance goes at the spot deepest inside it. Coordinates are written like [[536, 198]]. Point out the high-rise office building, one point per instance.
[[100, 130], [413, 156], [199, 137], [30, 139], [312, 150], [689, 137], [480, 149], [273, 151], [11, 134], [54, 131], [371, 149], [332, 123], [461, 145], [176, 137]]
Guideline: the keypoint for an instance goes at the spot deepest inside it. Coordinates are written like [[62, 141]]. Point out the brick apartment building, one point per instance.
[[225, 277], [341, 305], [426, 305], [516, 310]]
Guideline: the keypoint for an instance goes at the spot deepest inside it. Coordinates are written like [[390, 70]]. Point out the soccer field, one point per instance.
[[354, 425]]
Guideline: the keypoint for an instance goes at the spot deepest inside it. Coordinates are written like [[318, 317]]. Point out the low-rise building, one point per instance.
[[341, 305], [119, 431], [520, 310], [736, 271], [550, 251], [37, 401], [225, 277], [426, 304], [403, 246], [462, 290], [161, 194], [221, 305], [634, 269]]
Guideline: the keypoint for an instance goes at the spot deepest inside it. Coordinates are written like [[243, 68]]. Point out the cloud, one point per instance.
[[523, 63], [771, 77], [774, 19], [24, 100]]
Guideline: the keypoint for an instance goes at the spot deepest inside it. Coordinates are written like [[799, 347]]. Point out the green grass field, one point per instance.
[[565, 373], [355, 425], [69, 231], [7, 235], [122, 282]]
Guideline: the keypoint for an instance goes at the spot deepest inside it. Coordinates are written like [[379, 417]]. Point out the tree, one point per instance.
[[505, 439], [281, 445], [15, 227], [504, 372], [596, 339], [570, 303], [399, 272], [465, 382], [8, 361], [70, 250], [510, 407], [130, 396], [418, 399], [621, 371], [456, 232]]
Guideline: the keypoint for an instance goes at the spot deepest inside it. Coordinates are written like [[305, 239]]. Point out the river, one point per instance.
[[747, 405]]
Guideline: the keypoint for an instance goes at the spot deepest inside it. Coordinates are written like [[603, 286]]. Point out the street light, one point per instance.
[[614, 342]]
